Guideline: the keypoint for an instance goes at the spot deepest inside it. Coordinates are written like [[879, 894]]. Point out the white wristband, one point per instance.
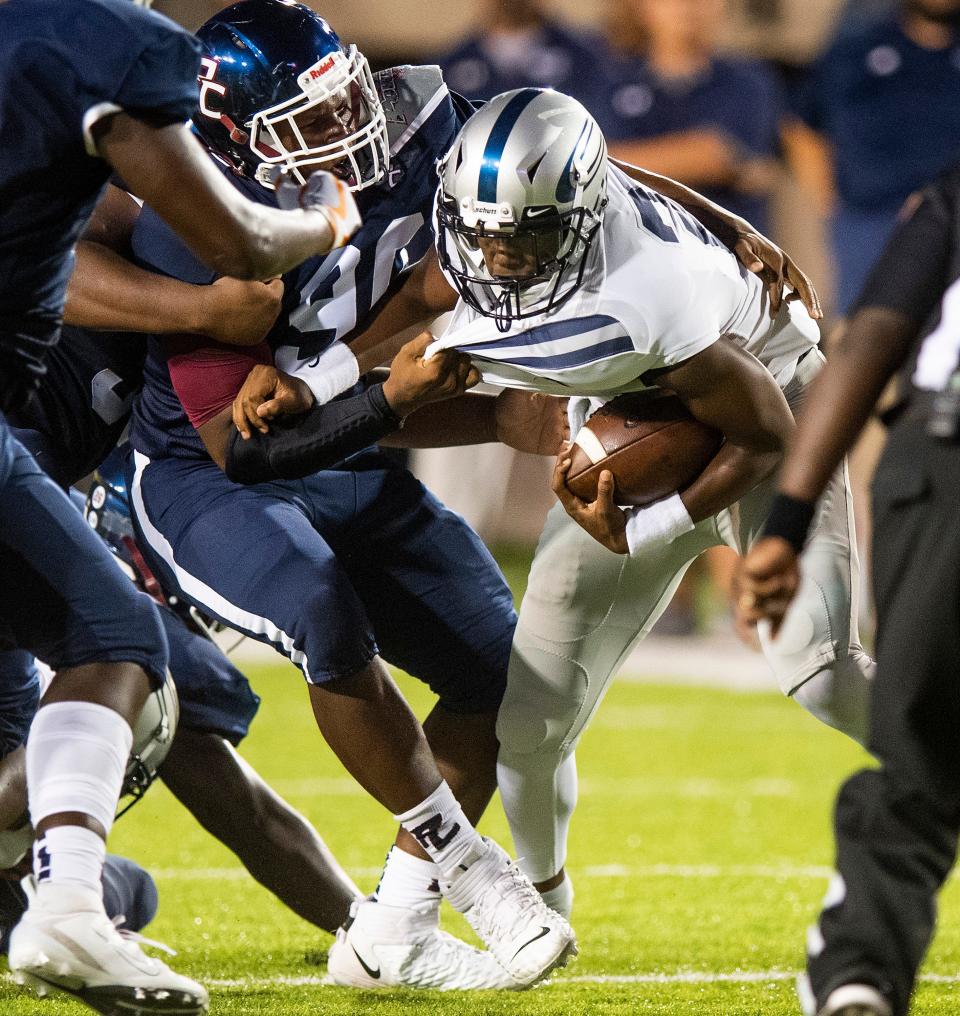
[[660, 522], [332, 372]]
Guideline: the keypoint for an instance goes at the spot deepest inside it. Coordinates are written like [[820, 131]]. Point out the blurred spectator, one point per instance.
[[880, 116], [676, 107], [865, 12], [516, 45]]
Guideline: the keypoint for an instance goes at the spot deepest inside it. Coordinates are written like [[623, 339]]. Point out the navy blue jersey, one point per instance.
[[890, 109], [330, 296], [741, 98], [64, 64], [81, 409]]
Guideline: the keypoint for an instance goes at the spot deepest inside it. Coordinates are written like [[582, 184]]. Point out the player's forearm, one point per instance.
[[467, 420], [842, 398], [216, 434], [169, 169], [298, 446], [728, 389], [423, 295], [269, 242], [722, 223], [734, 472], [108, 292]]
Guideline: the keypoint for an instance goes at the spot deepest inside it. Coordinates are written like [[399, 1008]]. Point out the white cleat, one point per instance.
[[389, 947], [83, 954], [503, 908], [856, 1000]]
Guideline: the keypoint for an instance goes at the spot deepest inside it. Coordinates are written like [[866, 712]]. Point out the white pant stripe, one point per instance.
[[241, 619]]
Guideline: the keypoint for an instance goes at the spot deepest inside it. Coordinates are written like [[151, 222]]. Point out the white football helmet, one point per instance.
[[527, 175], [153, 735]]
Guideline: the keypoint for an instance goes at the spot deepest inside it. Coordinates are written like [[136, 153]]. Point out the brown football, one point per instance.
[[649, 441]]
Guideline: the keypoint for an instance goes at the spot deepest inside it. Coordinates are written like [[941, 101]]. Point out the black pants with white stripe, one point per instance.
[[897, 827]]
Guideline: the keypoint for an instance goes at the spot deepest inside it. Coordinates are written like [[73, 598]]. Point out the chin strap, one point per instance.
[[501, 313]]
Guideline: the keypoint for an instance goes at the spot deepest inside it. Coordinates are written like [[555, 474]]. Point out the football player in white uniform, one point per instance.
[[576, 280]]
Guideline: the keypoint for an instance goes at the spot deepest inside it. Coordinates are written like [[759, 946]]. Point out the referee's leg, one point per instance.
[[897, 827]]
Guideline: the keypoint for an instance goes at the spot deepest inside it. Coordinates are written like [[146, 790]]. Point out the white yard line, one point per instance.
[[684, 977], [774, 871]]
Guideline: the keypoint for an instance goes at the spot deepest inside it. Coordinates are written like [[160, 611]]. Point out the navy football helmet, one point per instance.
[[108, 512], [278, 88]]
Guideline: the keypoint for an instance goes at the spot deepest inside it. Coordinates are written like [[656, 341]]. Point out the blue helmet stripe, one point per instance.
[[565, 189], [490, 164]]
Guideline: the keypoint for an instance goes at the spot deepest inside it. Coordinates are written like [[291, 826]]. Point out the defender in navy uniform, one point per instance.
[[91, 381], [358, 559], [86, 85]]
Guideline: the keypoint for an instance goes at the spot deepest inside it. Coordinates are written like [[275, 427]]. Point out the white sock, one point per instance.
[[408, 881], [560, 898], [76, 756], [439, 825], [68, 856]]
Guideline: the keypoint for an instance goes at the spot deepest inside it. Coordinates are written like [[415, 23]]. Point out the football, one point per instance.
[[649, 441]]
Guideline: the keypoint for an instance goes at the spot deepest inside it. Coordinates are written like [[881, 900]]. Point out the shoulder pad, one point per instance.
[[409, 93]]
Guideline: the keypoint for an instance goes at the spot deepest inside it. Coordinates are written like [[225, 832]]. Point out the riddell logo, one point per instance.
[[321, 69]]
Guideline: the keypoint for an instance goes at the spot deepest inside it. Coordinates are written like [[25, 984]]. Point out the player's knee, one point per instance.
[[838, 694], [473, 695], [543, 703], [903, 806], [19, 698], [477, 681], [147, 635]]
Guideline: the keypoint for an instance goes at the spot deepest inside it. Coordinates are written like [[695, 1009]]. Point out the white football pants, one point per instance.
[[586, 608]]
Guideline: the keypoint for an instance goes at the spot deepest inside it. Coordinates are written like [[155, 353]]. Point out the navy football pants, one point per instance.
[[128, 892], [333, 569], [61, 595]]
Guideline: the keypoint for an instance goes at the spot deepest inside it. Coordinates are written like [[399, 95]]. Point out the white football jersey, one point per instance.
[[657, 289]]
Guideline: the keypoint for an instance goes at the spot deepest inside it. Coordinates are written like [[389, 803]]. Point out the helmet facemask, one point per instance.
[[508, 269], [153, 734], [339, 88]]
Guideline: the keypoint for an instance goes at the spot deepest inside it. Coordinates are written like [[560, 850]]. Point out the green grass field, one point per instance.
[[700, 852]]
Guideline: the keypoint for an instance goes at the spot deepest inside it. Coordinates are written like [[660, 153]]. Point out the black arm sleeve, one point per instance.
[[913, 269], [297, 446]]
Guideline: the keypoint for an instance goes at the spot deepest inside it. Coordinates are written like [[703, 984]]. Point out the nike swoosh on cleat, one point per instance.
[[373, 973], [543, 931]]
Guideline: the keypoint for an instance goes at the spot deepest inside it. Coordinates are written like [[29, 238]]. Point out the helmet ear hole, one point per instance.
[[534, 166]]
